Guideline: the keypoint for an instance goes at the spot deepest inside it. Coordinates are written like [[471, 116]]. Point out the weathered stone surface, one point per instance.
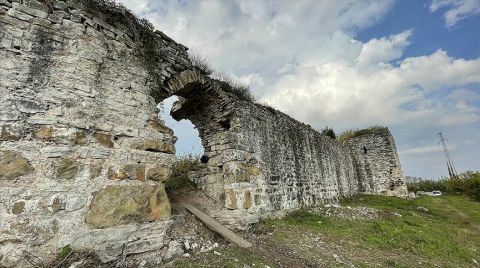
[[156, 146], [159, 173], [74, 100], [13, 165], [79, 137], [104, 139], [44, 133], [55, 151], [115, 205], [9, 134], [84, 79], [68, 169], [127, 171]]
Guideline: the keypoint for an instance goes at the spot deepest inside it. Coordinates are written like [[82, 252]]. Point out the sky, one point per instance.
[[411, 65]]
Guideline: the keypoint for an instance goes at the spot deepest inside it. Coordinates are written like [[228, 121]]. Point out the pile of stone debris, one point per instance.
[[353, 213]]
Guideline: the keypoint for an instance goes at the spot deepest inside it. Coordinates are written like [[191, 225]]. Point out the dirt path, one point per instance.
[[281, 255]]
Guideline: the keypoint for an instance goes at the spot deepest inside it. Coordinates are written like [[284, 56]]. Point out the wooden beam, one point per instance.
[[217, 227]]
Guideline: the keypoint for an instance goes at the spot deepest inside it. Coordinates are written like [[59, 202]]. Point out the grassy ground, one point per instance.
[[447, 235]]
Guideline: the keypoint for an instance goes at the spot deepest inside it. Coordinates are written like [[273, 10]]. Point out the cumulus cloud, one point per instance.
[[385, 49], [345, 94], [457, 9]]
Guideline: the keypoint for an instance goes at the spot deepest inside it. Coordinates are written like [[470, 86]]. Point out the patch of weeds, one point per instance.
[[329, 132], [200, 63], [349, 134], [180, 177], [66, 250], [237, 88]]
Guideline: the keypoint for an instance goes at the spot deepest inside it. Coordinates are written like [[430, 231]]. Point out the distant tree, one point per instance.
[[329, 132]]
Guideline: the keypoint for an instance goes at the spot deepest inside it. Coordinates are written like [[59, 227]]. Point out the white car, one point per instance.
[[436, 193]]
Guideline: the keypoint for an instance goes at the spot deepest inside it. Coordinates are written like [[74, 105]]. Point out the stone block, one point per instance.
[[127, 171], [159, 173], [10, 134], [79, 137], [117, 204], [55, 151], [13, 165], [20, 15], [159, 127], [155, 146], [68, 169], [44, 133], [30, 11], [230, 199], [100, 153], [104, 139]]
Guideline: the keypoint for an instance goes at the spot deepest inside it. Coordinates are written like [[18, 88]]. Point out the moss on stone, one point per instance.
[[18, 207]]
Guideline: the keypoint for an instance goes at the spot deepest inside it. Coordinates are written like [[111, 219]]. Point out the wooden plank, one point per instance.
[[217, 227]]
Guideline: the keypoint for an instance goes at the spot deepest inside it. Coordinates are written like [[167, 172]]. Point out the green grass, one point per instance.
[[446, 235]]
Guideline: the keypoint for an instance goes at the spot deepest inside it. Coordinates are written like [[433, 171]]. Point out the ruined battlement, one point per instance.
[[84, 157]]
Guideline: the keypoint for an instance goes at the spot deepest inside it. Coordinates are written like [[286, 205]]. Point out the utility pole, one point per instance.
[[452, 172]]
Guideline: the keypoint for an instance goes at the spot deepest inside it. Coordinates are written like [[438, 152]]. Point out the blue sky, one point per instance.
[[413, 66]]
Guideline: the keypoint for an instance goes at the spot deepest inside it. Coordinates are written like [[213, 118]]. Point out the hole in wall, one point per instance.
[[188, 142]]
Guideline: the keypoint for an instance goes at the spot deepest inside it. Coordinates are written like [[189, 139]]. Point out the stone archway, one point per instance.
[[210, 110]]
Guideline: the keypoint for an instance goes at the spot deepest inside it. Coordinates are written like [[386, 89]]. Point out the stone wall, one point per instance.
[[377, 163], [83, 156]]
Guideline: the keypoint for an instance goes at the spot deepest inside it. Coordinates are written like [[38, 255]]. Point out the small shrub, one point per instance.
[[472, 186], [329, 132], [348, 134], [237, 88], [201, 63], [467, 184], [180, 178]]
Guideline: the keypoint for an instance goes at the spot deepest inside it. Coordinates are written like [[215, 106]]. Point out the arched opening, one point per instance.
[[188, 140]]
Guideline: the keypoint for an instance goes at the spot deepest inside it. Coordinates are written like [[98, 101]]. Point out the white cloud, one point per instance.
[[425, 150], [457, 9], [385, 49], [343, 94]]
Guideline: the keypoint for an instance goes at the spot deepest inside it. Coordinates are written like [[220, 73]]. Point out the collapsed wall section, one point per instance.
[[83, 156]]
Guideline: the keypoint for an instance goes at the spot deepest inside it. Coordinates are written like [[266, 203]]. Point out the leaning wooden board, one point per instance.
[[217, 227]]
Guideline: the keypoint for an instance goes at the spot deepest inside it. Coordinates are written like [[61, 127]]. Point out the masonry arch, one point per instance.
[[210, 110]]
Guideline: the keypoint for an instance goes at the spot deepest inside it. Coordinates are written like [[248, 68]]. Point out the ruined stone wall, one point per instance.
[[276, 164], [377, 163], [83, 156], [82, 153]]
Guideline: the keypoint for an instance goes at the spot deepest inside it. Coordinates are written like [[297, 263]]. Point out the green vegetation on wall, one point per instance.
[[349, 134]]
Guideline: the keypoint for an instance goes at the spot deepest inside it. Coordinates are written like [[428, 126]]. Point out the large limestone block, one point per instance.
[[119, 204], [13, 165]]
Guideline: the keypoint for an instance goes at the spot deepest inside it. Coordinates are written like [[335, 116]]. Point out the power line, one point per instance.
[[451, 168]]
